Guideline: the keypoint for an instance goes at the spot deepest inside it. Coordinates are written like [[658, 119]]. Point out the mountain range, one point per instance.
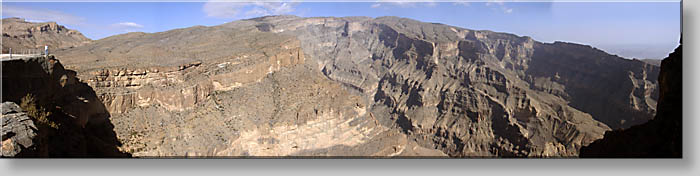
[[350, 86]]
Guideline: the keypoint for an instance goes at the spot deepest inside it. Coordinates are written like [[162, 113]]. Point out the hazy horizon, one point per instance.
[[642, 30]]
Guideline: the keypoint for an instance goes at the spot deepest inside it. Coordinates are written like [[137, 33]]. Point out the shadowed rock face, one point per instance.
[[84, 128], [290, 86], [618, 92], [662, 136], [21, 36]]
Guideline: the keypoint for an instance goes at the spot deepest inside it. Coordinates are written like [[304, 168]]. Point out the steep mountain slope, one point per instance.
[[21, 36], [660, 137], [285, 85]]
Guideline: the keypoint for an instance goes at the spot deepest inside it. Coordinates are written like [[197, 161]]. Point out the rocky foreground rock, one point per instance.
[[358, 86], [18, 131], [74, 122]]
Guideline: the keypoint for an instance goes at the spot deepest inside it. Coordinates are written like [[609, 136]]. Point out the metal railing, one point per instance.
[[24, 53]]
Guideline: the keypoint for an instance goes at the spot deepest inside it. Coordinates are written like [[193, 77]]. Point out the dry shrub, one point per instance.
[[38, 114]]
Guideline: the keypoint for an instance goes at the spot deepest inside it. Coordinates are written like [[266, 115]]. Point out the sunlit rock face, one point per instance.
[[358, 86], [23, 36]]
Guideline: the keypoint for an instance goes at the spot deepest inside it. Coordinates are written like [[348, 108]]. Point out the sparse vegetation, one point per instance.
[[37, 113], [42, 119]]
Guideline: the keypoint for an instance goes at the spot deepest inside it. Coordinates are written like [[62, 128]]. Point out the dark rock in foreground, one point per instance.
[[62, 117], [658, 138], [18, 131]]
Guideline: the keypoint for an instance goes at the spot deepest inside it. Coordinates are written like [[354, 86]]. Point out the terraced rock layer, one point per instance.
[[358, 86]]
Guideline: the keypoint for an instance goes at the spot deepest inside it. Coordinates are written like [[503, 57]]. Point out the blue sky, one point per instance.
[[629, 29]]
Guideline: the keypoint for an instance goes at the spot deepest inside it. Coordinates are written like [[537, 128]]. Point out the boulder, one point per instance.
[[18, 131]]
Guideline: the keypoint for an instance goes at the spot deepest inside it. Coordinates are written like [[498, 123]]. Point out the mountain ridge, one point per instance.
[[434, 88], [23, 36]]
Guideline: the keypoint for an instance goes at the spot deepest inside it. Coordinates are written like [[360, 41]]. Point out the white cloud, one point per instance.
[[491, 2], [399, 3], [42, 15], [461, 3], [247, 9], [128, 25], [35, 21], [404, 4], [270, 8], [223, 9], [508, 10], [501, 6]]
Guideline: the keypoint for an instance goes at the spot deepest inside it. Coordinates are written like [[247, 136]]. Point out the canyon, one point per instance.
[[287, 86], [661, 137]]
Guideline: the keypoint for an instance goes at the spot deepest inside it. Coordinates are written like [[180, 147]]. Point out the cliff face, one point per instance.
[[618, 92], [82, 123], [284, 85], [478, 93], [235, 91], [660, 137], [21, 36]]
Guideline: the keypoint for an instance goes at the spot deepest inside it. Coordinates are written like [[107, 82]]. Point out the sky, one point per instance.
[[629, 29]]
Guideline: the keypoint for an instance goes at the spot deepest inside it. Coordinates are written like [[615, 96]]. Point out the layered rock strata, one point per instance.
[[357, 86]]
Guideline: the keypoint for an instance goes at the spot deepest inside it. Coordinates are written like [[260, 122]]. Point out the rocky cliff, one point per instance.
[[66, 118], [22, 36], [662, 136], [358, 86], [477, 93]]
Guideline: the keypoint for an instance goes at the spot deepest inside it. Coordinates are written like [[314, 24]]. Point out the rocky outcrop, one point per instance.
[[474, 93], [358, 86], [82, 125], [659, 138], [263, 92], [18, 131], [51, 84], [23, 36], [124, 88]]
